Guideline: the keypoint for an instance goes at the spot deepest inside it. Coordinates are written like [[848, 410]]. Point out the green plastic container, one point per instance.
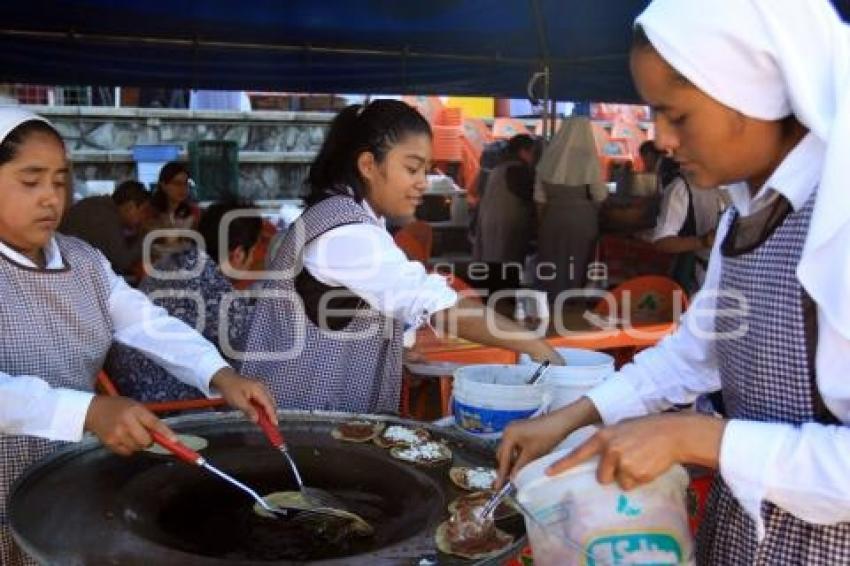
[[214, 166]]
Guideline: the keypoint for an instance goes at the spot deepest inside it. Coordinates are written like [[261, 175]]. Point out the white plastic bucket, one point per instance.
[[585, 370], [577, 521], [489, 396]]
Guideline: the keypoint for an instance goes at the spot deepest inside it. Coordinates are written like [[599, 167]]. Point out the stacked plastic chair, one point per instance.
[[506, 128], [448, 136]]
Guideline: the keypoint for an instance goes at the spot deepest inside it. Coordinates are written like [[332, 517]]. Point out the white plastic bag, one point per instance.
[[577, 521]]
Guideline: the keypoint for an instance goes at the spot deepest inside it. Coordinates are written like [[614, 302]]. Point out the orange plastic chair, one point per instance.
[[650, 299], [470, 166], [626, 258], [477, 134], [429, 106], [416, 240], [506, 128], [450, 117]]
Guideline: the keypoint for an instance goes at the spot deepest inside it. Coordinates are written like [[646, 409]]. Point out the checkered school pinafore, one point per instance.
[[55, 325], [354, 369], [767, 376]]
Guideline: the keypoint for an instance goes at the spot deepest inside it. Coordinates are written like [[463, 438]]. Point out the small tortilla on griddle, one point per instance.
[[295, 500], [384, 442], [504, 510], [196, 443], [446, 547], [460, 477], [339, 434], [403, 454]]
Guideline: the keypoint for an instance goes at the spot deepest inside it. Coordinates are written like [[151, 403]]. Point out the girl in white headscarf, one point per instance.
[[753, 94], [61, 306], [568, 177]]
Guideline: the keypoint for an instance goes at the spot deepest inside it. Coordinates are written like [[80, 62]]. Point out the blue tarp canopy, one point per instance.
[[473, 47]]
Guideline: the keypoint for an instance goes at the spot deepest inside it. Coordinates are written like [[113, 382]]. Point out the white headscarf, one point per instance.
[[768, 59], [571, 158], [11, 117]]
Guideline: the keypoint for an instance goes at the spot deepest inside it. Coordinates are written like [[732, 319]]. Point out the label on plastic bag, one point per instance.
[[578, 522], [636, 548]]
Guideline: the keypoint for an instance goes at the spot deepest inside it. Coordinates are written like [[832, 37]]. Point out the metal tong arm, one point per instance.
[[179, 449], [192, 458], [275, 437], [507, 490], [539, 373]]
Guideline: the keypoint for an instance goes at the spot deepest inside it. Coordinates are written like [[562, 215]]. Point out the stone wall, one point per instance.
[[275, 148]]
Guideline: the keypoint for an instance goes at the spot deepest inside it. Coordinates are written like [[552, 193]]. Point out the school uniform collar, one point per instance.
[[365, 204], [51, 254], [380, 219], [795, 179]]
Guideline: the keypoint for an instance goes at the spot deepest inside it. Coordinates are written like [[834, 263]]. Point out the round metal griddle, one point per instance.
[[85, 505]]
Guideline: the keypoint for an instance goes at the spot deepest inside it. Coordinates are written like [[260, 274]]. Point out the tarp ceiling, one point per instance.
[[489, 47]]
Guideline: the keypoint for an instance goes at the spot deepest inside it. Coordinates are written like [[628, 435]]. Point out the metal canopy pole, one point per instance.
[[543, 43]]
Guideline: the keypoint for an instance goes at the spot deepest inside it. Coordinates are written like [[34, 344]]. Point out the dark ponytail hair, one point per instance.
[[376, 128], [519, 143], [16, 138], [159, 200]]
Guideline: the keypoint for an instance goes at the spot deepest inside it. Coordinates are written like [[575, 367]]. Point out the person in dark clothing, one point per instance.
[[112, 224], [506, 216], [141, 378]]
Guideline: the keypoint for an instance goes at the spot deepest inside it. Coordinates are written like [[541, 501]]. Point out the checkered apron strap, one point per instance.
[[766, 376], [356, 369], [62, 328]]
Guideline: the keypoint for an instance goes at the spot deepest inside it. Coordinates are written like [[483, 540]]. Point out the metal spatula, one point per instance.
[[189, 456], [314, 496], [192, 458]]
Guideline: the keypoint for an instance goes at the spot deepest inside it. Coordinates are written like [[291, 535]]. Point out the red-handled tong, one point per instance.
[[191, 457], [317, 497], [275, 438]]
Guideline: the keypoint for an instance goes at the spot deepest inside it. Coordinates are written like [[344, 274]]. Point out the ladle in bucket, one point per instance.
[[537, 375], [314, 497]]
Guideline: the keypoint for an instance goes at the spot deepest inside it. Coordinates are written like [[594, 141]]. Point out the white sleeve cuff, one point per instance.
[[207, 367], [69, 414], [616, 400], [432, 297], [748, 453]]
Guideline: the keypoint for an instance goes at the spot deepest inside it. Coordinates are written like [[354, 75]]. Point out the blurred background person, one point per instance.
[[506, 217], [140, 378], [173, 207], [567, 191], [687, 222], [113, 224]]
